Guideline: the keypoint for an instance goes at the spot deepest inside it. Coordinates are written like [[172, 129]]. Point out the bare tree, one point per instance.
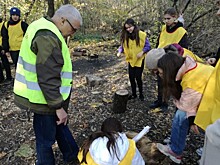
[[29, 10], [50, 11]]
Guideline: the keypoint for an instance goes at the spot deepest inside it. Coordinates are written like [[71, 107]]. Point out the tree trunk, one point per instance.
[[120, 101], [50, 11], [29, 10], [66, 2]]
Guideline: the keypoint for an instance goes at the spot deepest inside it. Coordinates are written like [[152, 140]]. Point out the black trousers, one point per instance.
[[6, 66], [159, 89], [14, 57], [135, 75]]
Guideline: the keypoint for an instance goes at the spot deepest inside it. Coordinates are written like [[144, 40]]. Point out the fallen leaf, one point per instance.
[[24, 151], [107, 100], [156, 110]]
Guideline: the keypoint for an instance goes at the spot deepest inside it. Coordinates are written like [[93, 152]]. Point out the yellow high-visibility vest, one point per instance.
[[26, 83]]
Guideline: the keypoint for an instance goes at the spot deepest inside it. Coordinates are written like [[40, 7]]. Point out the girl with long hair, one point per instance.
[[110, 146], [185, 80], [135, 45]]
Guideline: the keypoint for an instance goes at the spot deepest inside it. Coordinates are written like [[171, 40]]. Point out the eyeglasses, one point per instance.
[[74, 29]]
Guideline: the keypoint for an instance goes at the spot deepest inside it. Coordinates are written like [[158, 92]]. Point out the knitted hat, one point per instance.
[[153, 56], [174, 48], [15, 11]]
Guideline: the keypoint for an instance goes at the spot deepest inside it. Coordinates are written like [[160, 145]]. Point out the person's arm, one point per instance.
[[24, 27], [49, 63], [147, 46], [4, 33], [184, 42], [217, 56], [120, 51]]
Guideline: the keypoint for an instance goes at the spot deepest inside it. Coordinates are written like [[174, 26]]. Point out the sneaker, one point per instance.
[[165, 149], [155, 104], [141, 97], [132, 97], [167, 140], [199, 151]]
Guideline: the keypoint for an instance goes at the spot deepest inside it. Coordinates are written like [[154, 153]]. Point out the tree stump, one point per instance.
[[120, 101]]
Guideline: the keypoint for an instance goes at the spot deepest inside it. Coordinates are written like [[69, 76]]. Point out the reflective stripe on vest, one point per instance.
[[170, 38], [26, 83]]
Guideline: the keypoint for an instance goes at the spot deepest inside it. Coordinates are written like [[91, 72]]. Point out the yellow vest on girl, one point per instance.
[[209, 109], [1, 24], [170, 38], [125, 161], [197, 78], [191, 54], [133, 50]]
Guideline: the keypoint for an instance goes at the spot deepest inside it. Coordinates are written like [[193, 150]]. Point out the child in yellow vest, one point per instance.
[[135, 45], [171, 32], [110, 146], [12, 34], [208, 116], [185, 80]]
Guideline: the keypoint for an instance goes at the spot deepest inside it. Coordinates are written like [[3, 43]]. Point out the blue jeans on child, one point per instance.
[[47, 132], [180, 128]]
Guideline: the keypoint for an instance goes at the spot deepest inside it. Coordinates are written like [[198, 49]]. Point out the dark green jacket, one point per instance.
[[47, 48]]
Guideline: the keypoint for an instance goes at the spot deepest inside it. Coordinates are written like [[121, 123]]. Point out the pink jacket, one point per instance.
[[190, 99]]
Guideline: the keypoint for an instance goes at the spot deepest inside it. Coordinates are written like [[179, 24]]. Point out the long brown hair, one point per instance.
[[170, 63], [110, 129], [125, 36]]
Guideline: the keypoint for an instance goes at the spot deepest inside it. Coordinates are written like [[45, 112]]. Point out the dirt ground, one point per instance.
[[88, 108]]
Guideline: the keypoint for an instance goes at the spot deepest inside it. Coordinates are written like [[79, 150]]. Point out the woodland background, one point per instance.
[[89, 106], [102, 19]]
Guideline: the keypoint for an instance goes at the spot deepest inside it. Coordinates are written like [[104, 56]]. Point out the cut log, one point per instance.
[[120, 101]]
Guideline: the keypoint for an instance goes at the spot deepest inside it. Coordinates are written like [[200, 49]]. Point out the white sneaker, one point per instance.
[[199, 151], [165, 149], [167, 140]]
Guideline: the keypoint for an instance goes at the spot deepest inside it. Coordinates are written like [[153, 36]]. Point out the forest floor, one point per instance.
[[88, 108]]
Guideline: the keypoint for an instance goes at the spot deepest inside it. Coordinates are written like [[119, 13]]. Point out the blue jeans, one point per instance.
[[180, 128], [47, 132]]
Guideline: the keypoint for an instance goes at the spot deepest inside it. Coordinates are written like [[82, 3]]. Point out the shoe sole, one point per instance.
[[170, 156]]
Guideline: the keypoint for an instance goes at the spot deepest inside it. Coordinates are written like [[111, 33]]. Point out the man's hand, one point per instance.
[[62, 116]]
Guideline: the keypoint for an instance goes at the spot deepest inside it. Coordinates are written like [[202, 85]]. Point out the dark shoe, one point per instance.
[[164, 107], [141, 97], [8, 81], [132, 97], [155, 104]]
